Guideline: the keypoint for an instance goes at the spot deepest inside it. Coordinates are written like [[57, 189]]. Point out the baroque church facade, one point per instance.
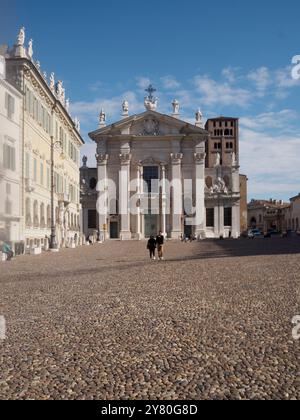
[[156, 172]]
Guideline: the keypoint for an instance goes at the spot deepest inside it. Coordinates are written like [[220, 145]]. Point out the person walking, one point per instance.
[[151, 246], [160, 241]]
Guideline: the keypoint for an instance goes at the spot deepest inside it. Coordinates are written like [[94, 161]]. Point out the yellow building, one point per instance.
[[46, 124]]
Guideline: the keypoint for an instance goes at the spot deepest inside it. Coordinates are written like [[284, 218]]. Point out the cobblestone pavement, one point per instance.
[[212, 321]]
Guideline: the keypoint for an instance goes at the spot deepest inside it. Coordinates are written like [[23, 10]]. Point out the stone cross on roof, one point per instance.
[[150, 90]]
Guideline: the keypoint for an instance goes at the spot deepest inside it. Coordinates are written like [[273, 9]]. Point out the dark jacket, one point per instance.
[[160, 240], [151, 243]]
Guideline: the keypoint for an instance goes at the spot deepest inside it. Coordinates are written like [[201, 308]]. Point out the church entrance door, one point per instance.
[[151, 225], [114, 230]]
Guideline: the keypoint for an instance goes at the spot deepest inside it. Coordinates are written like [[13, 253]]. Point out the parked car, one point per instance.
[[272, 233], [254, 233]]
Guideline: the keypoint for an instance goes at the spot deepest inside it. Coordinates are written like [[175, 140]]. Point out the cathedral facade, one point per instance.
[[156, 172]]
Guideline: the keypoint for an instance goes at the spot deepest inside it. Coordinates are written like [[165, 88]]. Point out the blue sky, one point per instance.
[[228, 58]]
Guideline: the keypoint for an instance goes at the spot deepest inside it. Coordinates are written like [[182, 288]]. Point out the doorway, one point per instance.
[[114, 230], [151, 225]]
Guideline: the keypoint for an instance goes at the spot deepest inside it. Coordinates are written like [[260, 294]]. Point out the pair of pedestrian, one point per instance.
[[156, 243]]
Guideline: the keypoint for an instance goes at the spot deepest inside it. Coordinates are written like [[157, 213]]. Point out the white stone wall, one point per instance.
[[10, 164]]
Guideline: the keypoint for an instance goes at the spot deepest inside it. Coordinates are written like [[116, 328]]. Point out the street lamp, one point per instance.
[[53, 243]]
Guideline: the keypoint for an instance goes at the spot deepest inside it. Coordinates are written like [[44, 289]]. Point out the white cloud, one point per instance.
[[271, 162], [229, 74], [223, 94], [170, 82], [88, 112], [261, 78], [142, 82], [280, 120]]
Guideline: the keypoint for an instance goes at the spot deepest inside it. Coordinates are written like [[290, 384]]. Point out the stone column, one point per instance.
[[139, 192], [176, 159], [102, 189], [221, 219], [200, 227], [236, 221], [124, 180], [163, 201]]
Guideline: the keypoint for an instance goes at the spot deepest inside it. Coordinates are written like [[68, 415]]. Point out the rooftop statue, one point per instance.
[[176, 106], [21, 37], [30, 49]]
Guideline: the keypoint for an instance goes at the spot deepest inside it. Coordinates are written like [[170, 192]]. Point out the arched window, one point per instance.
[[28, 213], [93, 183], [36, 222], [253, 222], [42, 216], [48, 217], [226, 133]]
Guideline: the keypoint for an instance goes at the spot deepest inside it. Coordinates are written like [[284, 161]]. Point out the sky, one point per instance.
[[231, 58]]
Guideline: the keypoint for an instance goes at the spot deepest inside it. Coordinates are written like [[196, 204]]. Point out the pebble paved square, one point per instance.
[[213, 321]]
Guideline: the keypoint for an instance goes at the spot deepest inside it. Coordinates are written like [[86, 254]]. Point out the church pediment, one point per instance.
[[149, 123]]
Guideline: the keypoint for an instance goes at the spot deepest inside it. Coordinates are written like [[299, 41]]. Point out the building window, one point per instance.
[[36, 221], [92, 219], [42, 174], [34, 170], [93, 183], [150, 176], [210, 217], [9, 106], [9, 157], [8, 207], [227, 216], [28, 212], [48, 216], [48, 179]]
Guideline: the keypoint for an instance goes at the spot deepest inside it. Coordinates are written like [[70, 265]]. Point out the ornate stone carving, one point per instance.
[[200, 158], [102, 158], [218, 160], [151, 128], [176, 158], [233, 159], [125, 158], [219, 186]]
